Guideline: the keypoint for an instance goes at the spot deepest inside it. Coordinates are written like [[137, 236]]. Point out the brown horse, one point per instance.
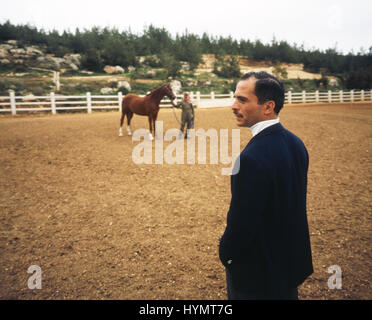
[[146, 106]]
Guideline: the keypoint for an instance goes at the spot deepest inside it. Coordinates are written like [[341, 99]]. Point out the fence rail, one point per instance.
[[54, 103]]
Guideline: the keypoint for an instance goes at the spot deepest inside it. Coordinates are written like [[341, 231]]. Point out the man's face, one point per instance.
[[246, 108]]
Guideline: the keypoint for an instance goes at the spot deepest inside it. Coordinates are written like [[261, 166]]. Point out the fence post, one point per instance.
[[12, 102], [212, 95], [198, 98], [231, 95], [303, 96], [289, 97], [352, 95], [120, 98], [89, 102], [53, 102], [362, 95], [370, 94], [317, 96], [329, 96], [341, 96], [56, 79], [191, 95]]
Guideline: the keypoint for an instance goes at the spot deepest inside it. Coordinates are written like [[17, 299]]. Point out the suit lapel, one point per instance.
[[269, 130]]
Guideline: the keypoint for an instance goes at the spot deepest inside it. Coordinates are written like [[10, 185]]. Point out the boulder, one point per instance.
[[131, 69], [17, 52], [32, 51], [3, 53], [150, 74], [124, 84], [109, 69], [6, 46], [73, 59], [119, 69], [141, 59], [176, 86], [4, 61], [106, 90], [333, 82], [73, 67]]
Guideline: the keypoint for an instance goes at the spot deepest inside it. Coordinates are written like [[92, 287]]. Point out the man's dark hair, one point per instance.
[[267, 88]]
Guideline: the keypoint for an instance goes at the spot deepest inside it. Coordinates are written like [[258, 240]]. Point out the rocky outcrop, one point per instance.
[[33, 51], [49, 62], [3, 53], [69, 61], [73, 60], [12, 54]]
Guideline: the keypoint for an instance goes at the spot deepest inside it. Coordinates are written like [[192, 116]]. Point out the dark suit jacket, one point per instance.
[[267, 236]]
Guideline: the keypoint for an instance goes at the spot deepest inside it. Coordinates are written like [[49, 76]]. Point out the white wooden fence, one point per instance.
[[54, 103]]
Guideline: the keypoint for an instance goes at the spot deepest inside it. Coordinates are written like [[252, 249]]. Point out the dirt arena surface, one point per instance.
[[102, 227]]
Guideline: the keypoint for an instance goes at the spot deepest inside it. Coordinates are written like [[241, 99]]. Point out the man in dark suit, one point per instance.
[[266, 244]]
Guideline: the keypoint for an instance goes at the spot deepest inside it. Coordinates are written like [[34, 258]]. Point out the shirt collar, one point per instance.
[[259, 126]]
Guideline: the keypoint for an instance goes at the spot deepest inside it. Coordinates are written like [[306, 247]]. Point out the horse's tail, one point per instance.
[[122, 112], [122, 104]]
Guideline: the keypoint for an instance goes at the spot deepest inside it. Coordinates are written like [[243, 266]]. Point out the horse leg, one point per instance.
[[121, 124], [129, 118], [155, 130], [150, 124]]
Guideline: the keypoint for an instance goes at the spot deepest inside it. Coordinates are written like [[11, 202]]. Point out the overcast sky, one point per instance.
[[322, 24]]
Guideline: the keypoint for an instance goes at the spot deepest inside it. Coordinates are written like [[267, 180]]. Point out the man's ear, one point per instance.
[[269, 107]]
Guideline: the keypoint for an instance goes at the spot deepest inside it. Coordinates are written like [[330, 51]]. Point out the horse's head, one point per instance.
[[169, 92]]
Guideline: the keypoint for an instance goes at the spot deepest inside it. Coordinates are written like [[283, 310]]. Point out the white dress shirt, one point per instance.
[[259, 126]]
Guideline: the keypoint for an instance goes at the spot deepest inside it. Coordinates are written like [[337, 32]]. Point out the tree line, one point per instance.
[[102, 46]]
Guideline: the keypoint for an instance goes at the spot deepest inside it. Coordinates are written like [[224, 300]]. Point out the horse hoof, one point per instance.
[[129, 133], [120, 134]]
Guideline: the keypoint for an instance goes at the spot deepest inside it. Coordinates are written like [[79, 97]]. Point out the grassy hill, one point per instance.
[[25, 79]]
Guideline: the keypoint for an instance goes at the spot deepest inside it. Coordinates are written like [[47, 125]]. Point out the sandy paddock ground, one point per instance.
[[73, 202]]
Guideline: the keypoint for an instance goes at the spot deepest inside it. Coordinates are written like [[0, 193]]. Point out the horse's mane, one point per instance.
[[165, 84]]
